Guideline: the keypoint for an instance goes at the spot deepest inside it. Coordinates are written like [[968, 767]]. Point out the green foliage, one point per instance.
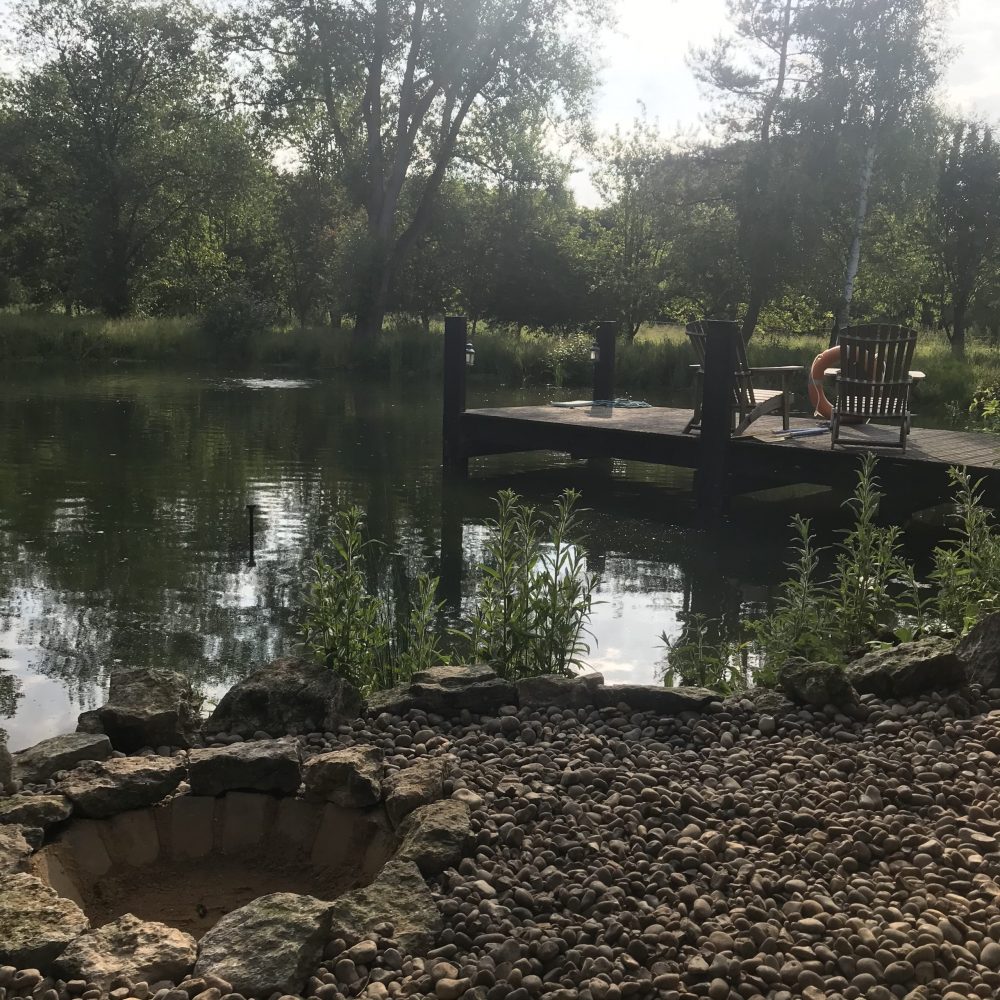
[[233, 325], [967, 571], [701, 655], [873, 595], [351, 629], [535, 596]]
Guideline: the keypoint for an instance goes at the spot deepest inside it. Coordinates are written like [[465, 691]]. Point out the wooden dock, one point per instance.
[[725, 465]]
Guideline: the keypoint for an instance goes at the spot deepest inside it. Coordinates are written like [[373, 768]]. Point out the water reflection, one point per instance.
[[124, 534]]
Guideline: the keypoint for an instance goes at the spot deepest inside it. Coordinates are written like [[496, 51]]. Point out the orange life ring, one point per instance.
[[822, 407]]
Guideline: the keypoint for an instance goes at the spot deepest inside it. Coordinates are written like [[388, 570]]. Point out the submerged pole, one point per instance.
[[455, 338], [251, 532], [712, 476]]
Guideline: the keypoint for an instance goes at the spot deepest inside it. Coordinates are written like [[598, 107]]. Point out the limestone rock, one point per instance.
[[434, 836], [447, 691], [661, 700], [257, 766], [553, 691], [150, 708], [816, 684], [35, 810], [351, 778], [140, 951], [36, 923], [105, 789], [287, 696], [763, 701], [399, 896], [268, 946], [60, 753], [929, 664], [980, 652], [14, 849], [417, 785]]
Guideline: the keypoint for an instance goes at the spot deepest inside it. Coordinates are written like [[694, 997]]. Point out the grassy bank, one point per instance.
[[655, 365]]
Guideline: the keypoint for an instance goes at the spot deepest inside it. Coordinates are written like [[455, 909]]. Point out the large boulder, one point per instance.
[[447, 691], [36, 923], [555, 691], [417, 785], [60, 753], [135, 949], [258, 766], [658, 700], [289, 695], [816, 684], [434, 836], [351, 778], [14, 850], [41, 811], [100, 790], [979, 651], [268, 946], [399, 896], [149, 708], [929, 664], [763, 701]]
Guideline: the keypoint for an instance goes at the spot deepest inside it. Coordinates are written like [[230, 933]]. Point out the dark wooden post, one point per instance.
[[455, 338], [452, 563], [604, 369], [712, 477]]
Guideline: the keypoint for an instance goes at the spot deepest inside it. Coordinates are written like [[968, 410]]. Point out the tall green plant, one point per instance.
[[351, 630], [535, 597], [868, 561], [967, 569]]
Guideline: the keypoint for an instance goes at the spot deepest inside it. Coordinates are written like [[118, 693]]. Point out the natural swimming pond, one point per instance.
[[124, 534]]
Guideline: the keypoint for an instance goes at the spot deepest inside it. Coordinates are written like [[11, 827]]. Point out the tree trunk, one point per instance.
[[854, 257], [754, 306], [957, 337]]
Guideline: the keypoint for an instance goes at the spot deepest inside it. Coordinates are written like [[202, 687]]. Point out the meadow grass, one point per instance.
[[656, 364]]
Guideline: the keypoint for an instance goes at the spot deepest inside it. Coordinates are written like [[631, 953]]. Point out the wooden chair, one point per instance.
[[749, 401], [874, 381]]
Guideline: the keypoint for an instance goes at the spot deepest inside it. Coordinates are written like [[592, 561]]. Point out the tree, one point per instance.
[[633, 238], [119, 141], [878, 62], [964, 222], [750, 73], [398, 91]]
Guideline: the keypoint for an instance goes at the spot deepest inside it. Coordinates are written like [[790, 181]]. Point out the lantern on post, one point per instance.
[[595, 352], [470, 355]]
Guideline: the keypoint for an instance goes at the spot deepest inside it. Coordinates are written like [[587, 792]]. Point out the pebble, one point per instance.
[[617, 855]]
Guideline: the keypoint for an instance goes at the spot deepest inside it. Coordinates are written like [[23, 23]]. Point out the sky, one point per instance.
[[645, 59]]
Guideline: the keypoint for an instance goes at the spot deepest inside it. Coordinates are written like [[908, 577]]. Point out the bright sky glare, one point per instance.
[[645, 60]]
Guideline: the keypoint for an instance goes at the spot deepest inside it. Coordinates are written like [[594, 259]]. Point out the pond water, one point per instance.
[[124, 535]]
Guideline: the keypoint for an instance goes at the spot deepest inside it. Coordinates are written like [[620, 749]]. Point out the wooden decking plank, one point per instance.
[[655, 434]]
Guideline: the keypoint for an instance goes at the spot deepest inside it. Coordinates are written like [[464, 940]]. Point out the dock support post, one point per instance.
[[456, 333], [604, 367], [712, 476], [452, 562]]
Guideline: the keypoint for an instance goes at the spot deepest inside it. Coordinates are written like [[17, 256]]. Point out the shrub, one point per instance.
[[535, 597], [873, 596], [233, 324], [353, 630]]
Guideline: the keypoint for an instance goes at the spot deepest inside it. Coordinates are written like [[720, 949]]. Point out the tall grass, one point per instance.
[[656, 364]]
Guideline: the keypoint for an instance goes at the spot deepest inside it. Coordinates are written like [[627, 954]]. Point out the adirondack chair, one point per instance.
[[749, 401], [874, 381]]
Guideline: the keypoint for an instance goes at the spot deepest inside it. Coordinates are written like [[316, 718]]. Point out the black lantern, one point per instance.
[[595, 352], [470, 355]]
